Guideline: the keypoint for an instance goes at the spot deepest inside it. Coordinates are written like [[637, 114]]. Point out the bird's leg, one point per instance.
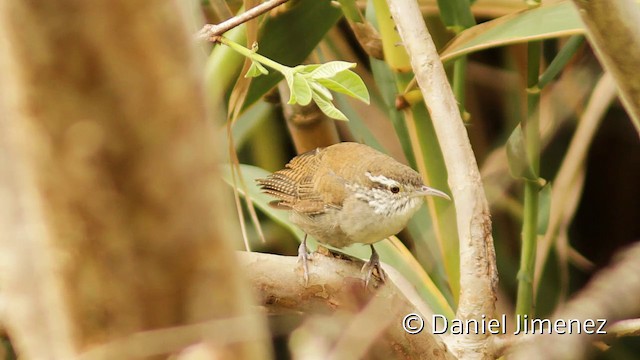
[[371, 265], [303, 257]]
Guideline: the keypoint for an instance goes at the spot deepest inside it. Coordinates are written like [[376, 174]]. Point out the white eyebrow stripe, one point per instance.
[[381, 179]]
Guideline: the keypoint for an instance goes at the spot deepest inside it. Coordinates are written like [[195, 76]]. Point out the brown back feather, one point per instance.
[[293, 185]]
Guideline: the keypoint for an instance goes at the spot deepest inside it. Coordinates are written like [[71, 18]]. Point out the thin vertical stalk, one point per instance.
[[531, 129], [457, 16], [459, 79]]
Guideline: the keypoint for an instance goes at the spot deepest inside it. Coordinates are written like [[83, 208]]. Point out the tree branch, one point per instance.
[[369, 318], [210, 32], [478, 274]]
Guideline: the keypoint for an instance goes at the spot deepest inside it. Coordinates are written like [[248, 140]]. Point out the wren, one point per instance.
[[347, 193]]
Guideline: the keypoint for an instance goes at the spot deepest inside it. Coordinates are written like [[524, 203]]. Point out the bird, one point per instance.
[[347, 193]]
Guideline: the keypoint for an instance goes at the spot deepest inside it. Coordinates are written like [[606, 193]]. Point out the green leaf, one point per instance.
[[456, 14], [543, 22], [307, 69], [519, 164], [321, 90], [256, 69], [300, 89], [386, 83], [357, 124], [245, 126], [561, 60], [289, 78], [544, 208], [328, 108], [330, 69], [349, 83], [395, 253], [289, 38]]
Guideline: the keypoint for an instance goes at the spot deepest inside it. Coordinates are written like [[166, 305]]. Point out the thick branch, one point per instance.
[[478, 275], [336, 284]]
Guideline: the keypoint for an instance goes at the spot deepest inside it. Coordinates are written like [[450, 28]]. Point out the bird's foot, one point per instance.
[[372, 266], [303, 257]]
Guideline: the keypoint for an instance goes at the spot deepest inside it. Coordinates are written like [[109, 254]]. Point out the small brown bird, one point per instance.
[[347, 193]]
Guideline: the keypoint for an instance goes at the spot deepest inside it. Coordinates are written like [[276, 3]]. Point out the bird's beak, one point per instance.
[[427, 191]]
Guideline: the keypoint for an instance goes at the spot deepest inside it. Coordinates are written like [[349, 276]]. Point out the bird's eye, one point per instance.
[[395, 189]]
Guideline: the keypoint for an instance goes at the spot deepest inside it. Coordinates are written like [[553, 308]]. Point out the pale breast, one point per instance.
[[356, 222], [324, 227], [363, 225]]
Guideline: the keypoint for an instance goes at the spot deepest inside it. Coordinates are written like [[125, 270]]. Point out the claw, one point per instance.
[[304, 257], [372, 265]]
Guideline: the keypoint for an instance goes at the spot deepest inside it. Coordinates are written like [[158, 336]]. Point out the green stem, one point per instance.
[[459, 79], [351, 11], [531, 126], [254, 55], [561, 60], [531, 129]]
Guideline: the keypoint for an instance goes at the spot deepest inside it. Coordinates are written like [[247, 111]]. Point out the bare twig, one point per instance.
[[478, 274], [210, 32]]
